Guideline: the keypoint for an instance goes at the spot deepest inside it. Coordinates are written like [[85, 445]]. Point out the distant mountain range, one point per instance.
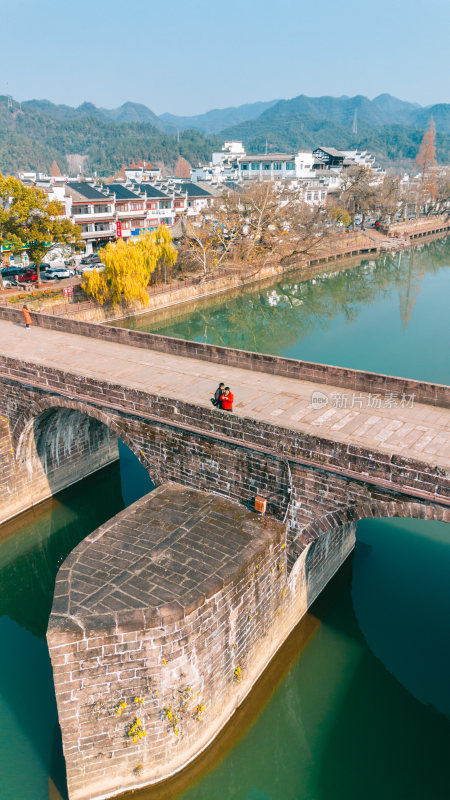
[[218, 119], [36, 132], [211, 122]]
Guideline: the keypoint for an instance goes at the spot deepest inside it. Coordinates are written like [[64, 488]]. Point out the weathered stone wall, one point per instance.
[[179, 656], [43, 451], [237, 457], [206, 654], [351, 379]]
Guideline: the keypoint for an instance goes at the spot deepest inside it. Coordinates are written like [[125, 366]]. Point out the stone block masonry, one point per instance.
[[161, 622], [54, 448], [238, 457], [164, 618]]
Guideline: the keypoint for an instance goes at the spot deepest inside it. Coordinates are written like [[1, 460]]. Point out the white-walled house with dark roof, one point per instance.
[[105, 212], [93, 211], [130, 209]]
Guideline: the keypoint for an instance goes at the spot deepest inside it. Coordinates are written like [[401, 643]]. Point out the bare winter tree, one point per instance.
[[442, 198], [205, 245], [358, 192], [387, 198], [410, 199], [267, 223]]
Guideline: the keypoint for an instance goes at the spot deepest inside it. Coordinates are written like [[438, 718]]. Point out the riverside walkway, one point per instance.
[[388, 423]]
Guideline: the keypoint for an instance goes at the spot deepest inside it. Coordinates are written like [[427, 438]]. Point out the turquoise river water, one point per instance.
[[363, 712]]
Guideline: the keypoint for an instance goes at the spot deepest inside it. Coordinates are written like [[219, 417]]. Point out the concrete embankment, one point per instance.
[[347, 250]]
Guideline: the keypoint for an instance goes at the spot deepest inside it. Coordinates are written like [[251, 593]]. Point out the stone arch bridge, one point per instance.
[[197, 592]]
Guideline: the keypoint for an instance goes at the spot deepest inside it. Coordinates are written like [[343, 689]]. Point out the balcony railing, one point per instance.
[[132, 212], [93, 234], [83, 218]]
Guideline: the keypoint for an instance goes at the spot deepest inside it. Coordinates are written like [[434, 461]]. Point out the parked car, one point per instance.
[[27, 276], [91, 259], [11, 272], [57, 273], [19, 274]]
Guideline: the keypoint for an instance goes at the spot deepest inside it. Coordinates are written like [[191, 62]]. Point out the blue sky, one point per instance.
[[187, 57]]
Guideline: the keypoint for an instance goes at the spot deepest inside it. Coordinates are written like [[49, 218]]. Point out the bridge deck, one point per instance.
[[413, 430]]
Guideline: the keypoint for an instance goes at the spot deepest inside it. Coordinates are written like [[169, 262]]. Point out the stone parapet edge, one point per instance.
[[322, 454]]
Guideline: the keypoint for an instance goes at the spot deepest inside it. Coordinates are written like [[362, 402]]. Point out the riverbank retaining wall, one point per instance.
[[195, 289]]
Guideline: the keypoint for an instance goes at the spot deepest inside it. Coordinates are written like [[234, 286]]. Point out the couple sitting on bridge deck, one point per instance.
[[223, 398]]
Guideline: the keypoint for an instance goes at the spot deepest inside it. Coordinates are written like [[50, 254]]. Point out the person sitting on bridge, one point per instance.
[[217, 395], [227, 399], [27, 317]]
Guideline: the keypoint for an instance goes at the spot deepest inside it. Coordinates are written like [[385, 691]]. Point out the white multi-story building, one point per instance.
[[93, 211], [228, 155], [273, 166]]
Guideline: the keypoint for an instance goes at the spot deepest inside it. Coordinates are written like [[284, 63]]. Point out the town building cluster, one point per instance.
[[315, 172], [123, 209], [141, 199]]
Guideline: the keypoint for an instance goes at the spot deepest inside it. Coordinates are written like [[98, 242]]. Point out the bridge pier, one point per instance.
[[162, 621], [164, 618]]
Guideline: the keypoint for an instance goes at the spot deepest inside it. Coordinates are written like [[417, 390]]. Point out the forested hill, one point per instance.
[[390, 128], [32, 139], [36, 133]]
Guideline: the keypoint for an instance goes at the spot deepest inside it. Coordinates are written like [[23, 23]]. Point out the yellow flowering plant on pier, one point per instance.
[[136, 731], [120, 708]]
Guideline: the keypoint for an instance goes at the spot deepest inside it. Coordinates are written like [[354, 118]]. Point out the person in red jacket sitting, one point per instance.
[[227, 399]]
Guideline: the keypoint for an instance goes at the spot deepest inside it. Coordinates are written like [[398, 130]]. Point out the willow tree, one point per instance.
[[128, 268]]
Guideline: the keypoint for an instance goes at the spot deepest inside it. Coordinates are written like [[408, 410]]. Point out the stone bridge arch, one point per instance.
[[321, 547], [23, 428], [57, 441]]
